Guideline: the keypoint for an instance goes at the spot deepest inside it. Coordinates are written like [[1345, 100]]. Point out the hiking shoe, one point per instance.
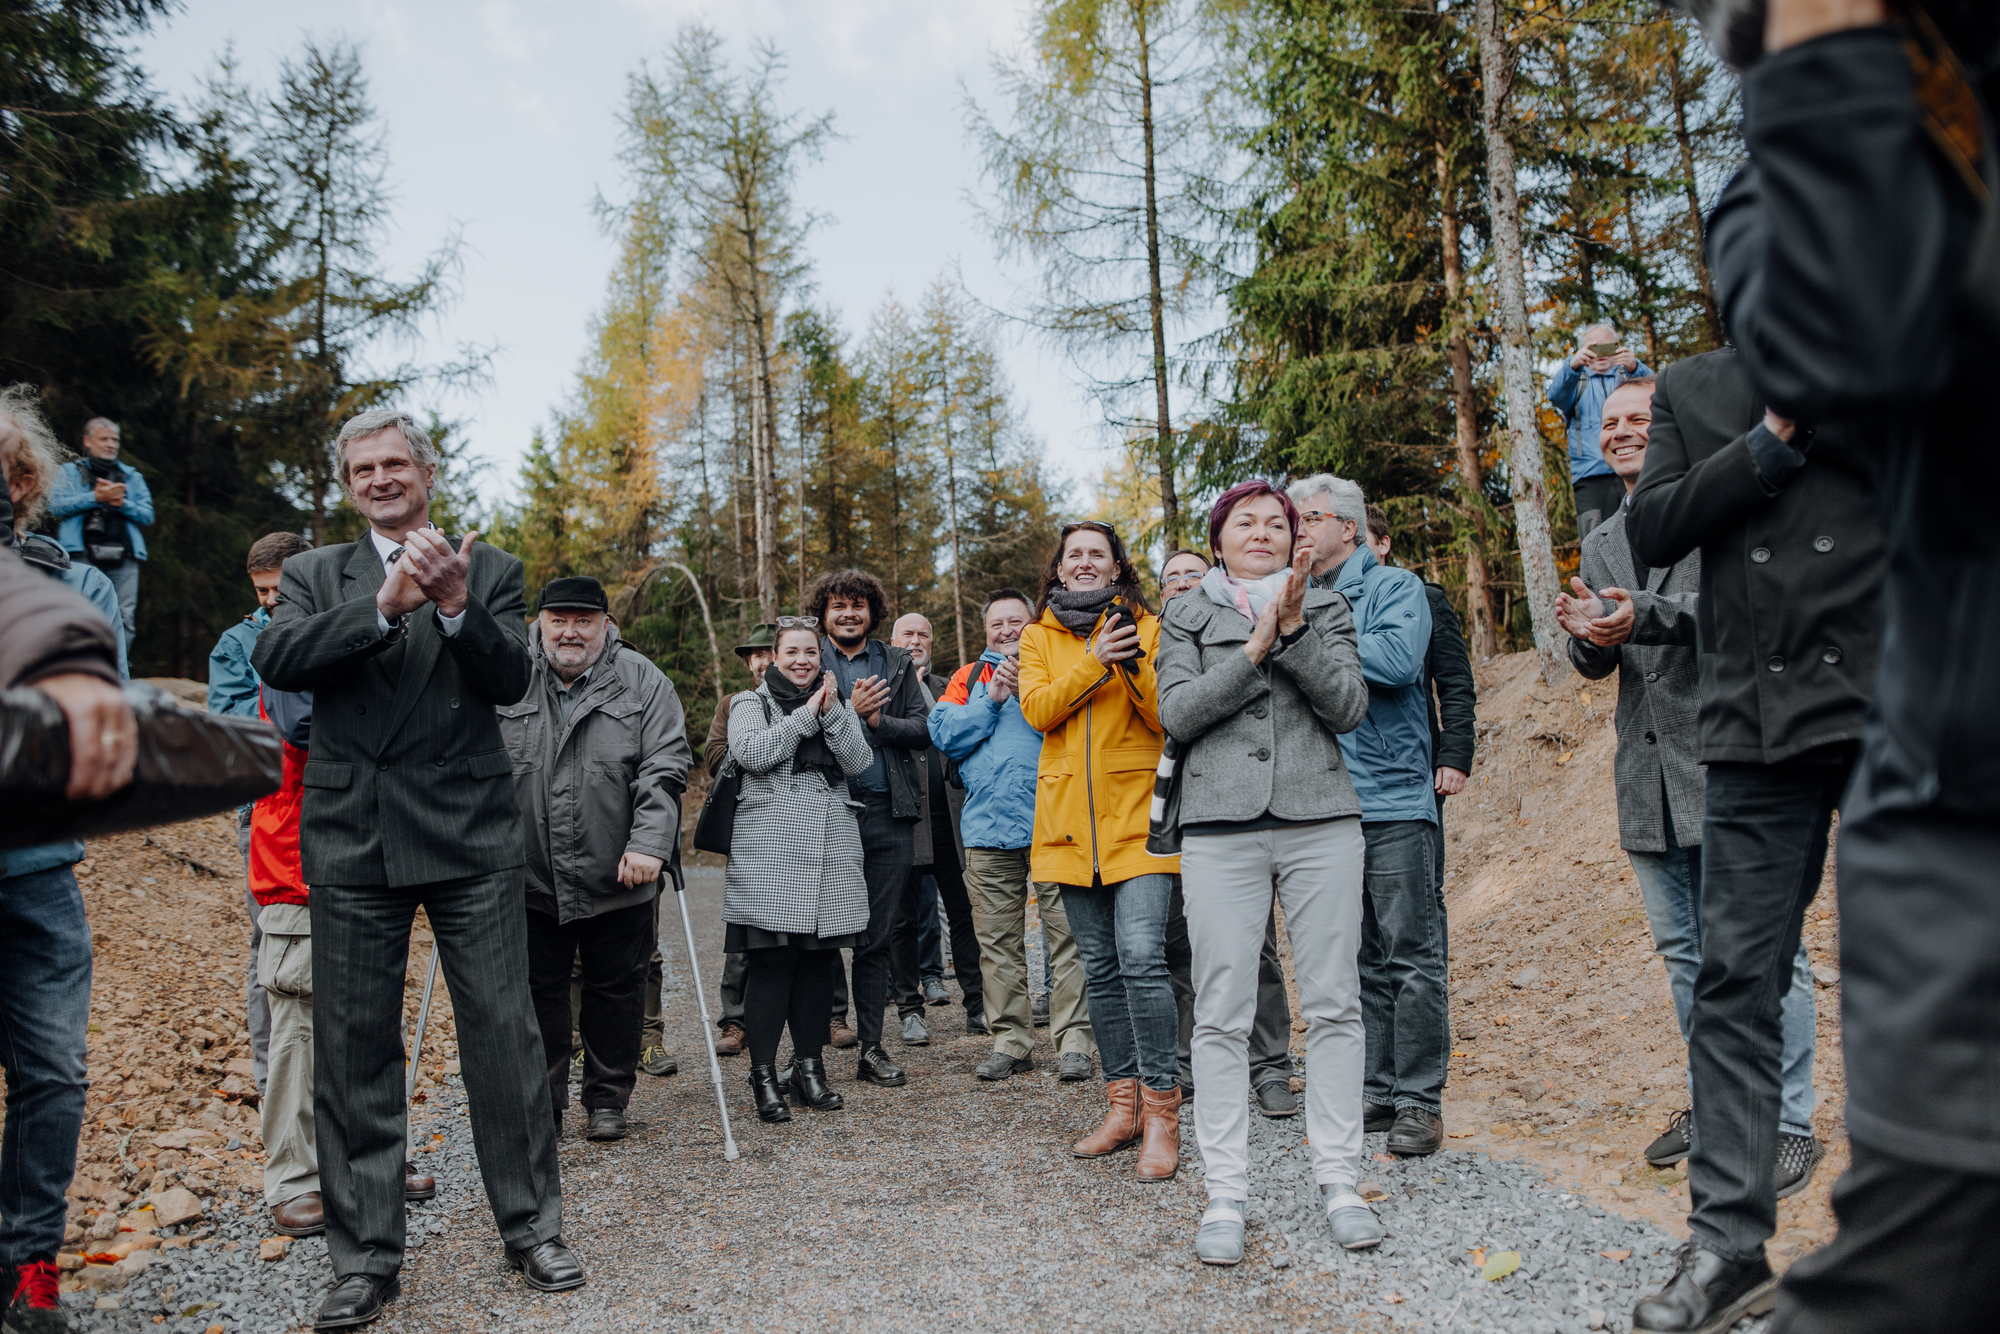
[[605, 1124], [33, 1308], [655, 1061], [1073, 1066], [1798, 1159], [1000, 1066], [934, 992], [1038, 1010], [1417, 1133], [729, 1038], [576, 1065], [1675, 1141], [914, 1032], [840, 1035]]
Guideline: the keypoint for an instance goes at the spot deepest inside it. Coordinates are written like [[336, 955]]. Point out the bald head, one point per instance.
[[913, 632]]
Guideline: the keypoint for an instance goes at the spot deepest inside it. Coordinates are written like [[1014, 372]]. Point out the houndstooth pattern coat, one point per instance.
[[795, 855]]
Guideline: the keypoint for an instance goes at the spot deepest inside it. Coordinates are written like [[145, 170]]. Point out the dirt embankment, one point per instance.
[[1565, 1048]]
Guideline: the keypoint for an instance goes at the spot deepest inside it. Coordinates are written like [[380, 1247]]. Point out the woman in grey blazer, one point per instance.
[[1258, 674], [794, 897]]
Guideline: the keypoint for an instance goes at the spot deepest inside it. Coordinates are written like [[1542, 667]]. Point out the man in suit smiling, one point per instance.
[[408, 642]]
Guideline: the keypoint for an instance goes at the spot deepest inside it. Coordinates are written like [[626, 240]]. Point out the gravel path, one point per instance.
[[947, 1202]]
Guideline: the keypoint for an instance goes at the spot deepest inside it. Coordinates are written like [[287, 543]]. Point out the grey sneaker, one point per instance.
[[914, 1032], [1277, 1100], [1073, 1066], [934, 992], [1355, 1226], [1798, 1159], [1219, 1241], [1000, 1066], [1038, 1010]]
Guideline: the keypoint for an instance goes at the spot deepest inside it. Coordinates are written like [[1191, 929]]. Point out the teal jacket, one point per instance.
[[73, 494], [1389, 755], [232, 681]]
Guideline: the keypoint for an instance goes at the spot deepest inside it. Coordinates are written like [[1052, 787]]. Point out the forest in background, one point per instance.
[[1272, 237]]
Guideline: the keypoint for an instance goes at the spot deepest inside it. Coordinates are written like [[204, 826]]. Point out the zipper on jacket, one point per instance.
[[1090, 793]]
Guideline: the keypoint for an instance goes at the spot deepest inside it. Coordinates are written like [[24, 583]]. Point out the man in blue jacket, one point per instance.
[[978, 723], [1577, 390], [1403, 945], [105, 507], [232, 689]]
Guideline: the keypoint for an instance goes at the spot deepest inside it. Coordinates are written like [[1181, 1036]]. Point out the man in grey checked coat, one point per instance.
[[409, 640], [1640, 622]]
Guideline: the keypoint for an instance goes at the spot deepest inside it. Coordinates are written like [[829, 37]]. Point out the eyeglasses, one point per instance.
[[798, 622], [1313, 516], [1187, 577]]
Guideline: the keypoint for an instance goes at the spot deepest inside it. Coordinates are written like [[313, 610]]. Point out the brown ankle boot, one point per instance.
[[1121, 1122], [1160, 1123]]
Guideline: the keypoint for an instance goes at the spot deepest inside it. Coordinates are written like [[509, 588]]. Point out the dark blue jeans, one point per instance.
[[1403, 965], [1121, 934], [44, 1022]]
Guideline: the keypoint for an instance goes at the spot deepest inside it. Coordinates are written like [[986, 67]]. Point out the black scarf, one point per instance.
[[1078, 611], [813, 752]]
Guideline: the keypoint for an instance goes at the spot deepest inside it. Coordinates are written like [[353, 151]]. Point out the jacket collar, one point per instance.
[[1352, 570]]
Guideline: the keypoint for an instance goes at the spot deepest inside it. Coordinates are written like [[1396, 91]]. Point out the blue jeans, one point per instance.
[[44, 1023], [1403, 963], [930, 935], [1121, 934], [1670, 884]]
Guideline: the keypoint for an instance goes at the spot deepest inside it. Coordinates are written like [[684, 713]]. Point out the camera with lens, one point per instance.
[[106, 542]]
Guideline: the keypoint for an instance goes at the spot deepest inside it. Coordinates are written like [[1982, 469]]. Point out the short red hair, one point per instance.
[[1226, 503]]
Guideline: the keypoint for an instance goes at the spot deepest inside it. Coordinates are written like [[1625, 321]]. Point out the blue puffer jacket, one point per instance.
[[998, 756], [1389, 755]]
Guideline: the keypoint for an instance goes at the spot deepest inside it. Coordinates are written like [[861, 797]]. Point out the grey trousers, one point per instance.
[[291, 1160], [1228, 881], [1270, 1035], [124, 577], [361, 937], [256, 1005]]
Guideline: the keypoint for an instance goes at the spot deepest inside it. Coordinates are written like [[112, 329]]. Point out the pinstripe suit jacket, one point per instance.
[[409, 780], [1659, 691]]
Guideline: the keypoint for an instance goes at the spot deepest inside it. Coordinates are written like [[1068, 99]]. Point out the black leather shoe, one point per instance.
[[770, 1096], [875, 1067], [975, 1023], [806, 1081], [606, 1123], [1416, 1134], [1377, 1117], [549, 1266], [356, 1300], [1707, 1294], [1000, 1066]]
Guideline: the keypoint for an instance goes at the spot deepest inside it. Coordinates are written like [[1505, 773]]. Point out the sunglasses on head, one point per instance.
[[798, 622]]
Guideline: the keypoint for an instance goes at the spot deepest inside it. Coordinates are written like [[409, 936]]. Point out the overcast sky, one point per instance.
[[503, 121]]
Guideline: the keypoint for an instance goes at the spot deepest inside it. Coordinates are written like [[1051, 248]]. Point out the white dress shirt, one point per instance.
[[384, 548]]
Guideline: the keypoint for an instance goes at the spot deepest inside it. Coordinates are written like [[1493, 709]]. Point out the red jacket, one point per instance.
[[275, 875]]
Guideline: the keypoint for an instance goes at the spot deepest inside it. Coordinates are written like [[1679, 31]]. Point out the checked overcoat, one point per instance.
[[795, 855]]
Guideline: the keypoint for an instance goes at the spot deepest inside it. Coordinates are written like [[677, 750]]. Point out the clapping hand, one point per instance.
[[438, 570], [827, 695], [870, 694], [1005, 681], [108, 492], [1291, 603], [1575, 612]]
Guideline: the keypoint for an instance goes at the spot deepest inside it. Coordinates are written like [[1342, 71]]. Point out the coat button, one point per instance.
[[1652, 676], [1831, 656], [1259, 712], [1263, 752], [361, 708], [1650, 738], [384, 765], [439, 761], [1069, 838], [1776, 664], [1761, 554], [1822, 544], [454, 704]]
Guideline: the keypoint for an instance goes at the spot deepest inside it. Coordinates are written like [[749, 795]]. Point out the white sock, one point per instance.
[[1223, 1211]]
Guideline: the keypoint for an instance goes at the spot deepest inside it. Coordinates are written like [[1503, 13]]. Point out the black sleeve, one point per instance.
[[1680, 505], [1448, 664]]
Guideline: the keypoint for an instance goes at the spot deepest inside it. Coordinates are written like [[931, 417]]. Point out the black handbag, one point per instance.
[[717, 825]]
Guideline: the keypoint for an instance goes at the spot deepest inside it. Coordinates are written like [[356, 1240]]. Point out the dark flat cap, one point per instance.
[[576, 593]]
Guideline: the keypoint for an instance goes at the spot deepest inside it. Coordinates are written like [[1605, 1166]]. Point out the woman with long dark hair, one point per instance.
[[795, 896], [1088, 685]]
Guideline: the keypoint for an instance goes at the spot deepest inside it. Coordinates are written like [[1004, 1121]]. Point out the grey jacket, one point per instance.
[[1259, 738], [795, 856], [1659, 691], [606, 782]]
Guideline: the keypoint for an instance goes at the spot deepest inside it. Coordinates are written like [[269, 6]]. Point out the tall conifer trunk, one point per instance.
[[1465, 418]]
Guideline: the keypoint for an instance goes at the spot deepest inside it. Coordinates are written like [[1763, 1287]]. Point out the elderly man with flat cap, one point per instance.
[[600, 753]]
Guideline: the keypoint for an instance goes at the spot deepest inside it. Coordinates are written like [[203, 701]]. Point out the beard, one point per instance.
[[847, 635]]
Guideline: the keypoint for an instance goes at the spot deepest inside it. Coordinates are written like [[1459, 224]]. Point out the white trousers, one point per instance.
[[1227, 881]]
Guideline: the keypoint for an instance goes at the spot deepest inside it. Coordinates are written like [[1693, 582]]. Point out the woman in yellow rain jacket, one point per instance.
[[1088, 684]]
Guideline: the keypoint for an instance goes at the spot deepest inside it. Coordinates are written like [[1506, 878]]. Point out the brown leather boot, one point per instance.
[[1121, 1122], [729, 1039], [1160, 1124], [840, 1035]]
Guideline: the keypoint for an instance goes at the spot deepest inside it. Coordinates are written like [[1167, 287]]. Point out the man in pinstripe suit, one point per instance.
[[408, 642]]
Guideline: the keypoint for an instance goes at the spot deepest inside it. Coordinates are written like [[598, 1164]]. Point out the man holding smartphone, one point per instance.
[[1578, 389]]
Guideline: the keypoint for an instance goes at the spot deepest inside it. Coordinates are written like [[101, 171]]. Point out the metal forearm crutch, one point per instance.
[[416, 1043], [729, 1150]]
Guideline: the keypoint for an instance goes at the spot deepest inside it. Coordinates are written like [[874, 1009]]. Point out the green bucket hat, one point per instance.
[[762, 636]]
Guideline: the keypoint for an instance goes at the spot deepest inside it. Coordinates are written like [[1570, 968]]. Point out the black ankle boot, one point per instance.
[[770, 1096], [805, 1079]]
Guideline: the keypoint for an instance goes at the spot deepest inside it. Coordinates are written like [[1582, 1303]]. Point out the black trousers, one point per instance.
[[887, 848], [1763, 849], [615, 948], [787, 985], [1914, 1252], [905, 961], [1270, 1032], [361, 951]]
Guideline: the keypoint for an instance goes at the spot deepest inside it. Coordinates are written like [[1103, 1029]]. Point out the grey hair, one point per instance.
[[96, 422], [364, 424], [38, 455], [1347, 501], [1583, 333]]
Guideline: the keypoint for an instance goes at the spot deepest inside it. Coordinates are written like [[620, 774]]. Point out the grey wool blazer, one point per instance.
[[409, 780], [1659, 772], [795, 853]]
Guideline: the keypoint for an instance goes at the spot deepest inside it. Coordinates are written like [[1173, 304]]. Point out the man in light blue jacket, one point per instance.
[[105, 507], [978, 723], [1577, 390], [1403, 944]]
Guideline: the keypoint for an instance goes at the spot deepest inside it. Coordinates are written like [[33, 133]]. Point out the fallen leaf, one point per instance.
[[1460, 1134], [1478, 1254], [1499, 1265], [1371, 1191], [1620, 1256], [1393, 1298], [1385, 1158]]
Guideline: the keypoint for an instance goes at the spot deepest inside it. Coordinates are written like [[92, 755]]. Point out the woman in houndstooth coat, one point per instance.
[[795, 896]]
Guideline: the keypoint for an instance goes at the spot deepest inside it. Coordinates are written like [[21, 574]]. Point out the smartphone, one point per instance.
[[1603, 349], [1121, 614]]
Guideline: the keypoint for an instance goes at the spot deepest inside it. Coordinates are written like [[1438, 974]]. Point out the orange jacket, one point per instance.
[[1101, 741], [275, 876]]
